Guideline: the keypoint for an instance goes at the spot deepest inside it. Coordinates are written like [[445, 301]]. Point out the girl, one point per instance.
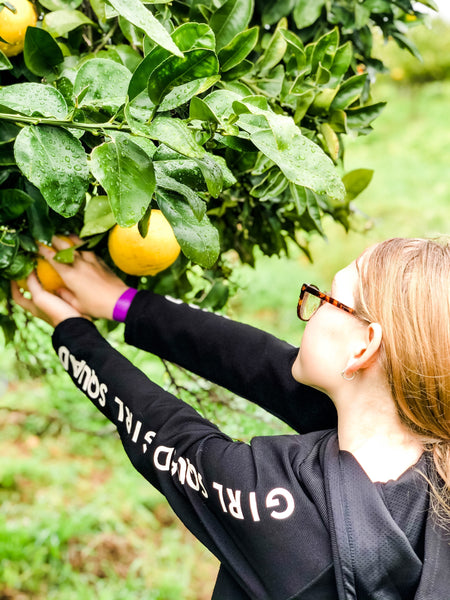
[[356, 507]]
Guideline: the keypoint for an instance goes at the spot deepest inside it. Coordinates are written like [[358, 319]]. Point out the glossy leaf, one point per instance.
[[274, 10], [199, 240], [230, 19], [306, 12], [175, 71], [60, 4], [61, 22], [361, 118], [9, 244], [136, 13], [238, 49], [176, 134], [5, 63], [275, 50], [13, 203], [34, 99], [98, 216], [165, 181], [55, 162], [41, 53], [300, 159], [103, 83], [126, 172], [349, 91], [356, 181]]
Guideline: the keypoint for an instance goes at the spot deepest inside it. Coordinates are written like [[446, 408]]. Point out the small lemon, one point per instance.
[[13, 25], [47, 275], [136, 255]]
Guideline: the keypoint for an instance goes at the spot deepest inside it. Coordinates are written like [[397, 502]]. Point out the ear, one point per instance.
[[367, 351]]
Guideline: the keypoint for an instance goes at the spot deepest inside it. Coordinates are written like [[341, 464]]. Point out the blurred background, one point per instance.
[[76, 521]]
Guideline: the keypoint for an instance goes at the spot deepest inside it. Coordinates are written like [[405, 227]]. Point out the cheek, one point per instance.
[[308, 357]]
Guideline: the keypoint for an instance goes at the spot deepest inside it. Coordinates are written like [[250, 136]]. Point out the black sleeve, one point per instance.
[[233, 496], [245, 360]]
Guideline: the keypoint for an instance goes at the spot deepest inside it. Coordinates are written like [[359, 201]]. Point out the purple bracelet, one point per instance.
[[123, 304]]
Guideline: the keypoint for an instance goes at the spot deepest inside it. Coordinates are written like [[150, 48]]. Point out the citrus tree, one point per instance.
[[228, 116]]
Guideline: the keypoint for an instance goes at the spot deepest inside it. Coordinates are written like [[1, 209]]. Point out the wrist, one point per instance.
[[123, 304]]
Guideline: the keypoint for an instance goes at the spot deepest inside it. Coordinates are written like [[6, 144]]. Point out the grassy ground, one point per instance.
[[76, 521]]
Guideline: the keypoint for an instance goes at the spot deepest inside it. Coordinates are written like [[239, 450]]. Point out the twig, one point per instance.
[[59, 421]]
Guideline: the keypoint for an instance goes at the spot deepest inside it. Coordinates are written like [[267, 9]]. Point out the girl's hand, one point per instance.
[[91, 287], [42, 304]]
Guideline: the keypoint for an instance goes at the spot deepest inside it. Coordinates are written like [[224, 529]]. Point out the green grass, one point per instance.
[[76, 521]]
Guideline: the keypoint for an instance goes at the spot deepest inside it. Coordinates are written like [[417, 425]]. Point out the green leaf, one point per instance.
[[98, 216], [104, 84], [7, 155], [176, 134], [41, 53], [5, 63], [349, 91], [55, 162], [213, 174], [136, 13], [325, 50], [230, 19], [330, 139], [13, 203], [275, 50], [306, 12], [60, 4], [34, 99], [342, 61], [356, 181], [238, 49], [187, 37], [9, 244], [199, 109], [20, 267], [8, 132], [175, 71], [126, 172], [220, 102], [300, 159], [163, 180], [42, 228], [190, 36], [361, 118], [199, 240], [61, 22], [181, 94], [274, 10]]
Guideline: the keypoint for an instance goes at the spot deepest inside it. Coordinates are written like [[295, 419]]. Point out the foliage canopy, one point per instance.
[[229, 116]]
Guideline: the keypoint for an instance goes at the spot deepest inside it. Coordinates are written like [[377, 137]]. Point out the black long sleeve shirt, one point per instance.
[[281, 513]]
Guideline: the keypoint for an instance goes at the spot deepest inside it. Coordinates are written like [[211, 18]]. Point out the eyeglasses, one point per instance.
[[311, 299]]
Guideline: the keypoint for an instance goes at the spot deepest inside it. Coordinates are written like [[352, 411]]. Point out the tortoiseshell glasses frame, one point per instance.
[[308, 289]]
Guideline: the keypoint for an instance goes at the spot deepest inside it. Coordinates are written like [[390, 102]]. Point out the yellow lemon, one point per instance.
[[13, 25], [47, 275], [136, 255]]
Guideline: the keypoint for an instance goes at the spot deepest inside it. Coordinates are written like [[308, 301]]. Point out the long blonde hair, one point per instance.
[[404, 284]]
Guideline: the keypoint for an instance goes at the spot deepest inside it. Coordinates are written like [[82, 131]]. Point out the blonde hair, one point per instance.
[[404, 284]]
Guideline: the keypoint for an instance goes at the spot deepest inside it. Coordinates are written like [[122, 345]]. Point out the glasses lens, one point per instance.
[[309, 306]]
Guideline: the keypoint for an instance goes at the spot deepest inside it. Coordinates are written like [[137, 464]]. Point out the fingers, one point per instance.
[[70, 298], [20, 299], [60, 244]]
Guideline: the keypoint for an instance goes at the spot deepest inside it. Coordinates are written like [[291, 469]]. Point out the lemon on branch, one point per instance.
[[47, 275], [136, 255], [15, 17]]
